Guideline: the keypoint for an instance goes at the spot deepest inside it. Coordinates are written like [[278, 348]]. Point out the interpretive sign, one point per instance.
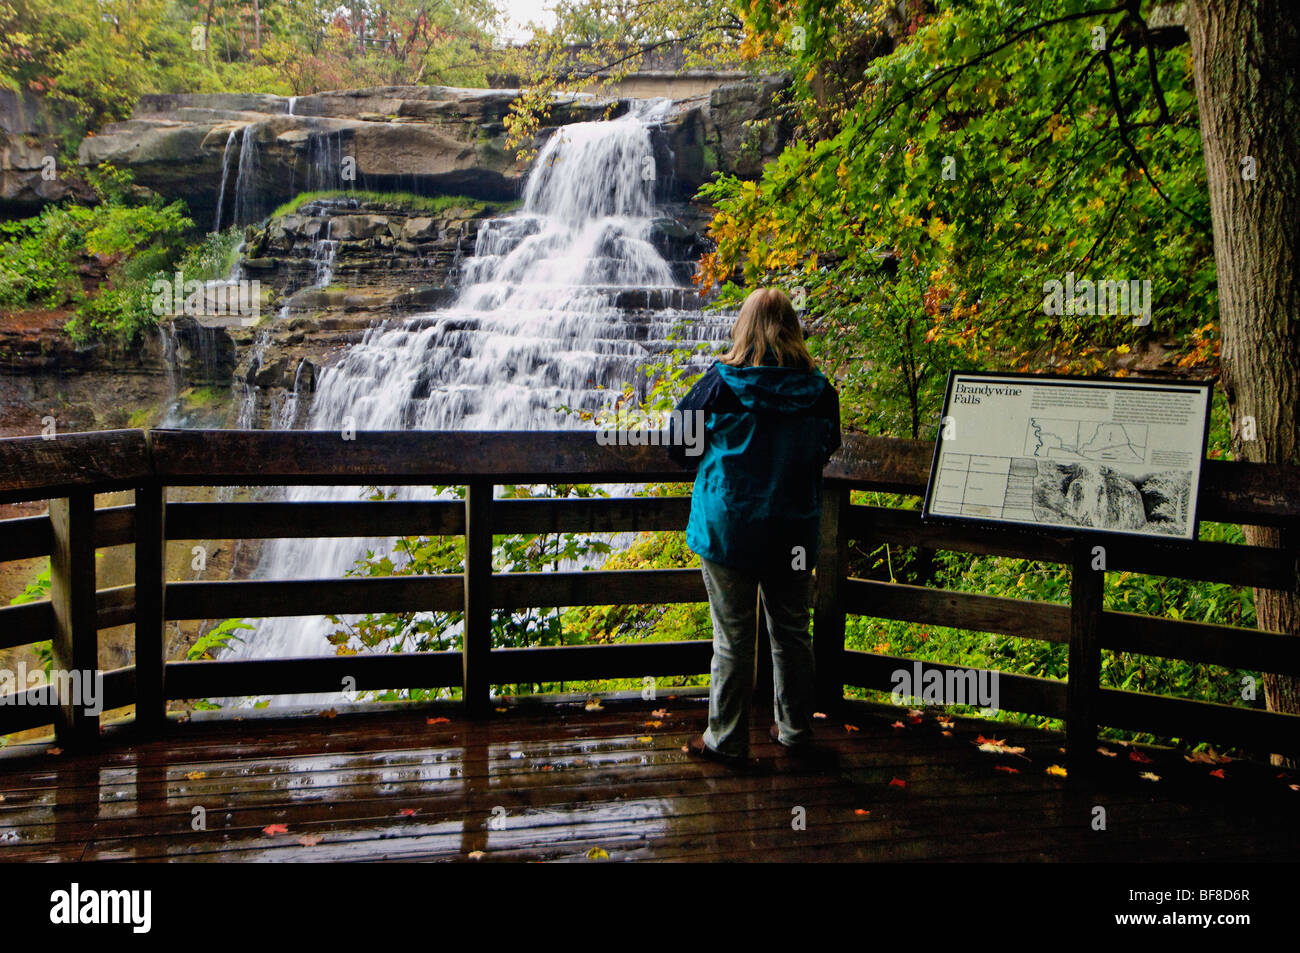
[[1106, 454]]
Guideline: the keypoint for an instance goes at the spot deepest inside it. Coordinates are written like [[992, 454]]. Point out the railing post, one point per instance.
[[477, 644], [1083, 686], [828, 614], [150, 621], [75, 638]]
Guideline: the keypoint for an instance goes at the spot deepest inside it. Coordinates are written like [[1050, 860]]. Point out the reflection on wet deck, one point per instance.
[[557, 782]]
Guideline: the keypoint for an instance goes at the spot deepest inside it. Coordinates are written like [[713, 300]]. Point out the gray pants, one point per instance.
[[733, 599]]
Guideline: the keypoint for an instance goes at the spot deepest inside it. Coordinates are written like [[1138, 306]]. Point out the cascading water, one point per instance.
[[225, 174], [536, 326]]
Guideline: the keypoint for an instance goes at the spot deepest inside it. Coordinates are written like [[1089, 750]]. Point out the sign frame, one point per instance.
[[1129, 383]]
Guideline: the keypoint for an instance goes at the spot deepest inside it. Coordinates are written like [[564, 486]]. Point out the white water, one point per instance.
[[225, 174], [535, 327]]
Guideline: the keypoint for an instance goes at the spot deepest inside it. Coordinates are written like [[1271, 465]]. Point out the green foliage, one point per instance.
[[38, 590], [433, 204], [217, 640], [43, 258], [934, 190], [100, 56]]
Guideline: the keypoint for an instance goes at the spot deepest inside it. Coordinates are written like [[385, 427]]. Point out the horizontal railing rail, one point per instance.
[[68, 470]]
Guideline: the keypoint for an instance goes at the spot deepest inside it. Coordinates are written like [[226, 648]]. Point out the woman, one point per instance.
[[773, 420]]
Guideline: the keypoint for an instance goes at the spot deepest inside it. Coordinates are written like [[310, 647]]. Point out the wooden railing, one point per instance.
[[69, 470]]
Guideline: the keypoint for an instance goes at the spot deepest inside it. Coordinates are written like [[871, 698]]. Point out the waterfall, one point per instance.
[[537, 325], [246, 202], [323, 254], [225, 173]]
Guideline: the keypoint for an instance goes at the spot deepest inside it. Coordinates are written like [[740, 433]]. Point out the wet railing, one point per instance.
[[69, 470]]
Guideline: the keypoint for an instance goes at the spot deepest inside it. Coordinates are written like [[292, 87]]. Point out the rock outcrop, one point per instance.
[[32, 130], [247, 153], [429, 140]]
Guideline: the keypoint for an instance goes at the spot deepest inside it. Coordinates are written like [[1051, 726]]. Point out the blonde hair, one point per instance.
[[767, 322]]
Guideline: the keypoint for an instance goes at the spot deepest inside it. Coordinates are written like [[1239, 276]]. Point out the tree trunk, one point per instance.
[[1246, 57]]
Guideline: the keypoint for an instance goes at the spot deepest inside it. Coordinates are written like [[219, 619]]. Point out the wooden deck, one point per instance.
[[553, 781]]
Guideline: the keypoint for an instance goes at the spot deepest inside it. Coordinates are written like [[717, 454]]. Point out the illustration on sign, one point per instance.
[[1099, 454]]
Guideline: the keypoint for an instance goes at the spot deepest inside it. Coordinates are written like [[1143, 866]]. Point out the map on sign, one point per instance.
[[1120, 456]]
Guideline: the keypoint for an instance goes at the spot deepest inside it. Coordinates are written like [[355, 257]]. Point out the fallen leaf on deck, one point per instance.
[[309, 840], [593, 704], [1007, 768], [499, 709], [898, 783], [329, 713], [915, 719], [273, 829], [670, 697], [659, 713], [851, 728], [598, 853], [196, 775], [1218, 773], [548, 767], [1057, 771], [406, 812], [1294, 787], [861, 813], [898, 724], [948, 733], [1138, 756], [1206, 757], [645, 739], [997, 746], [1148, 776], [652, 724], [476, 855], [437, 721], [1107, 753], [54, 751], [945, 722], [819, 714]]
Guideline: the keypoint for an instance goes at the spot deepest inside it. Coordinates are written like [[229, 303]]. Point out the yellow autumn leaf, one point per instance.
[[1056, 771], [645, 739], [197, 775], [597, 853]]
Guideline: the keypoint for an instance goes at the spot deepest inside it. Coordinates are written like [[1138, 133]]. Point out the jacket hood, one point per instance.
[[769, 389]]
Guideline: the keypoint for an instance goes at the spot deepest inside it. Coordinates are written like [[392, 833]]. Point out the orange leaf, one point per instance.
[[1218, 773], [860, 812], [54, 751], [196, 775], [329, 713], [309, 840], [851, 728], [1138, 756], [914, 719], [1007, 768], [273, 829], [652, 724], [898, 783], [659, 713], [441, 721], [407, 812], [819, 714], [898, 724]]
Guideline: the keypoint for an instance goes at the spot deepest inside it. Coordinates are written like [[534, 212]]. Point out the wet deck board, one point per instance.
[[392, 787]]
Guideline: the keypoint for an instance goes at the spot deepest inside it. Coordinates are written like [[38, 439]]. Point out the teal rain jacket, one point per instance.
[[758, 489]]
